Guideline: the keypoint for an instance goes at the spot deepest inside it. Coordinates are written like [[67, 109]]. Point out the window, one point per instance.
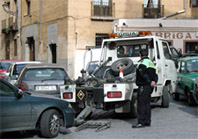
[[194, 3], [15, 47], [158, 53], [192, 66], [15, 2], [28, 2], [182, 68], [17, 68], [102, 8], [99, 38], [101, 2], [5, 90], [166, 50], [41, 74], [151, 3]]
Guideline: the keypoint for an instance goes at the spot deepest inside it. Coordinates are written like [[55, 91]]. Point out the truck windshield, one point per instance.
[[129, 48]]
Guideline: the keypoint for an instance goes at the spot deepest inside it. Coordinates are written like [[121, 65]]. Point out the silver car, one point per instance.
[[42, 78]]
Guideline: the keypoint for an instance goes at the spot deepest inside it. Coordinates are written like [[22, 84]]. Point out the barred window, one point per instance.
[[99, 38], [194, 3]]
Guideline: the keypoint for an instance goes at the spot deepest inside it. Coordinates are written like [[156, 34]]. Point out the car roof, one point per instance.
[[27, 62], [10, 60], [188, 58], [43, 65]]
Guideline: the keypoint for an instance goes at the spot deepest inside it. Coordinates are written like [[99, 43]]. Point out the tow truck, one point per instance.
[[112, 84]]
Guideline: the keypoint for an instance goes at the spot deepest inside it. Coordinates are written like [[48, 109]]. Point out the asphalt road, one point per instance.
[[179, 121]]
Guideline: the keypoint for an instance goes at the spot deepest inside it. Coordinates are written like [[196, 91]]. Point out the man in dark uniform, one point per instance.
[[146, 79]]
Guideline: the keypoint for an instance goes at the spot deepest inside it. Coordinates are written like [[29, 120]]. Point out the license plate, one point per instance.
[[43, 88]]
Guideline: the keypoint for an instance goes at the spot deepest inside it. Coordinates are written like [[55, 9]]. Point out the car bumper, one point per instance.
[[69, 116]]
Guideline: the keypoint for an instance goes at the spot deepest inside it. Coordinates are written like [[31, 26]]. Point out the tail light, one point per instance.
[[68, 95], [22, 86], [1, 76], [114, 94]]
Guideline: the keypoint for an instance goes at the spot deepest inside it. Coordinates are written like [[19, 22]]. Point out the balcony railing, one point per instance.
[[12, 23], [156, 11], [103, 11], [3, 24]]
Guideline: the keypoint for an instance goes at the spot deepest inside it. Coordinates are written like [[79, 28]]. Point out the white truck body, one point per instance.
[[120, 94]]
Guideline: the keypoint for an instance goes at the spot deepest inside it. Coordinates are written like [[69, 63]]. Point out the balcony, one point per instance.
[[153, 12], [9, 25], [13, 24], [103, 11]]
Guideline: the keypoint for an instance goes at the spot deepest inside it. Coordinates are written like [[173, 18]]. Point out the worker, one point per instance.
[[146, 79]]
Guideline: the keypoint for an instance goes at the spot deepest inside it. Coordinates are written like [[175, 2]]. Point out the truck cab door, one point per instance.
[[170, 69]]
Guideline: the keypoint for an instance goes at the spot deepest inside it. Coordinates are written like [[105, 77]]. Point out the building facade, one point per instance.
[[57, 31]]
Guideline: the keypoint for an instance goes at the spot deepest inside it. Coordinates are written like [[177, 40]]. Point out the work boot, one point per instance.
[[138, 125]]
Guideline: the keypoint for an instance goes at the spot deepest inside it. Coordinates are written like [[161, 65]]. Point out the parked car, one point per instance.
[[195, 93], [189, 54], [4, 64], [42, 78], [187, 72], [15, 69], [25, 111]]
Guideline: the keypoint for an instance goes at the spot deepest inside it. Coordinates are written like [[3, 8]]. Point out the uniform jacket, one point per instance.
[[146, 72]]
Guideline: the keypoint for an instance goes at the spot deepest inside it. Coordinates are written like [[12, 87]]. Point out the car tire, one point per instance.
[[126, 64], [50, 124], [165, 97], [190, 99]]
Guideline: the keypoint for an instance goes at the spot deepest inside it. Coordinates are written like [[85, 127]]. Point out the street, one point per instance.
[[179, 121]]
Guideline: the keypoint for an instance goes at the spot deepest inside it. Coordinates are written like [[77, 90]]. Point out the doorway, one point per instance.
[[53, 48], [31, 44], [7, 50], [190, 46]]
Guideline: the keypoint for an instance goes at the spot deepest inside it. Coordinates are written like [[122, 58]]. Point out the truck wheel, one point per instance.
[[190, 99], [165, 97], [50, 124], [126, 65]]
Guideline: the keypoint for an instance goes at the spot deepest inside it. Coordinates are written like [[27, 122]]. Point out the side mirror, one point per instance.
[[19, 94], [179, 51]]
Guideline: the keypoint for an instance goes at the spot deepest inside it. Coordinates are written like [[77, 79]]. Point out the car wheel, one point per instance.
[[165, 97], [126, 65], [190, 99], [50, 124]]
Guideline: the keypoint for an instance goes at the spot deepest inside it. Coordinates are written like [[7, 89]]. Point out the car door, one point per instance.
[[15, 112], [181, 76]]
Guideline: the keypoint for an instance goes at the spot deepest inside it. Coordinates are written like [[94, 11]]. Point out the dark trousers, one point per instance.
[[143, 107]]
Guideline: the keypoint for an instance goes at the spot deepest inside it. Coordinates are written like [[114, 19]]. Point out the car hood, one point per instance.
[[47, 98], [192, 76]]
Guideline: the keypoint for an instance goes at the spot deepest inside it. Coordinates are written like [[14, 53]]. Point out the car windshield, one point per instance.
[[4, 65], [44, 74], [192, 65]]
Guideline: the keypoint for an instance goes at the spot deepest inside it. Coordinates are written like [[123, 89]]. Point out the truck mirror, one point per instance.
[[179, 51]]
